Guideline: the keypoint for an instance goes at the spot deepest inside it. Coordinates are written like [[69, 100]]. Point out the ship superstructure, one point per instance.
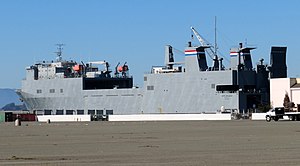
[[66, 87]]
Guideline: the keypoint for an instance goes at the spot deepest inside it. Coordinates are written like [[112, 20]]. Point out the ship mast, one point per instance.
[[59, 52], [216, 46]]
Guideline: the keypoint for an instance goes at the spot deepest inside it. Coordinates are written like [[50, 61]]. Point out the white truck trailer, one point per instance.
[[278, 113]]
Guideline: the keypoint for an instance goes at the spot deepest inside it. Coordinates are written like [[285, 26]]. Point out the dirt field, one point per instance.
[[151, 143]]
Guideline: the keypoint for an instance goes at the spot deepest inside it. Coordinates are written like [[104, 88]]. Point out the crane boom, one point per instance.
[[202, 41], [199, 37]]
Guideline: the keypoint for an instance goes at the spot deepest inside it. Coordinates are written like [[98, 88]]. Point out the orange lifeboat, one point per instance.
[[120, 69], [76, 68], [123, 68]]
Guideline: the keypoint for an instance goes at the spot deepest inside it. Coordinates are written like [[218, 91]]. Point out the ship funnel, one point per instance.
[[278, 67], [241, 57], [234, 58], [169, 58], [246, 58], [195, 59]]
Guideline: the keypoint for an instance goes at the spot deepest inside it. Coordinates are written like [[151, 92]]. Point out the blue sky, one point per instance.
[[136, 31]]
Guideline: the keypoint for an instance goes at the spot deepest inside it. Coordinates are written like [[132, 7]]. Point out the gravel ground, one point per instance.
[[180, 143]]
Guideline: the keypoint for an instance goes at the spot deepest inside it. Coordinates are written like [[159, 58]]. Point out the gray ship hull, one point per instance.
[[68, 88], [162, 93]]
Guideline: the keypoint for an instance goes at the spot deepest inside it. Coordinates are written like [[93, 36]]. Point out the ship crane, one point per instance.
[[121, 69], [202, 41], [116, 70], [212, 54]]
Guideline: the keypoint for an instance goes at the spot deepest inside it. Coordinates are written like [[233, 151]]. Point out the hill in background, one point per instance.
[[8, 96]]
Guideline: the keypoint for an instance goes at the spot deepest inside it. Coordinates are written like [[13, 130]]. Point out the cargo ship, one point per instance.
[[67, 87]]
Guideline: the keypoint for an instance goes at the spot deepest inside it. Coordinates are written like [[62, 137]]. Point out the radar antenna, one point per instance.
[[59, 52]]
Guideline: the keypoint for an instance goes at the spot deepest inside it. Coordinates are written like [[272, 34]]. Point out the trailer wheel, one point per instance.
[[268, 118]]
